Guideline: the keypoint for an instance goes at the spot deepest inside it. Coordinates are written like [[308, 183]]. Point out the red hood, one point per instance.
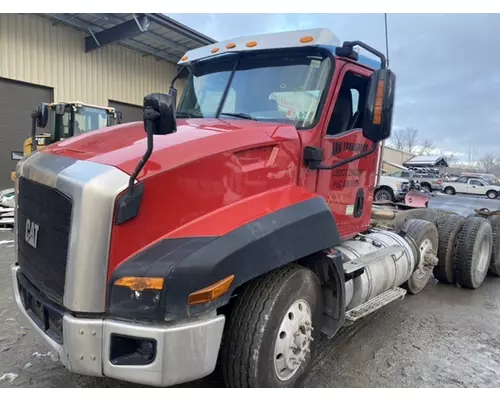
[[124, 145]]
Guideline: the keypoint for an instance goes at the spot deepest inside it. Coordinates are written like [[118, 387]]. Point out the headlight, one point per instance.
[[136, 293]]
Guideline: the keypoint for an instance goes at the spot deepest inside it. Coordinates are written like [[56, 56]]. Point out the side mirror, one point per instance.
[[377, 122], [43, 115], [159, 114]]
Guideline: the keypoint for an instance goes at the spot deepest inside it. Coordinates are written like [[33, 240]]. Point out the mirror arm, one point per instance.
[[129, 204], [150, 116], [343, 162], [34, 117], [368, 48]]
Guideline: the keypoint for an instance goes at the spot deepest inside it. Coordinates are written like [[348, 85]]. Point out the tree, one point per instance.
[[471, 155], [451, 158], [426, 147], [489, 163], [411, 139], [405, 139], [397, 140]]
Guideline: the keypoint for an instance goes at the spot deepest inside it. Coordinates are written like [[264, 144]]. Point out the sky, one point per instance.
[[447, 66]]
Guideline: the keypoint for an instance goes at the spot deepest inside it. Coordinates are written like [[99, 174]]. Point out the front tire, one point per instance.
[[427, 187], [383, 195], [273, 330]]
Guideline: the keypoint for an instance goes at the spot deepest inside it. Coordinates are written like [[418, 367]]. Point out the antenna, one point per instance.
[[386, 40]]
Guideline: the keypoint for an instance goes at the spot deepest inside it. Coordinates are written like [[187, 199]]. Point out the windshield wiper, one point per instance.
[[185, 114], [240, 115]]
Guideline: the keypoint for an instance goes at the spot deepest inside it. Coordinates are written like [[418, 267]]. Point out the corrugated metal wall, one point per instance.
[[33, 50]]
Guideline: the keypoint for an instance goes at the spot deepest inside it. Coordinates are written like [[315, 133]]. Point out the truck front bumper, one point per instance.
[[178, 353]]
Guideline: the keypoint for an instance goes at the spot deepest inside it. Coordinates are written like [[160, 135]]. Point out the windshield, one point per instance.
[[285, 88], [86, 119], [89, 119]]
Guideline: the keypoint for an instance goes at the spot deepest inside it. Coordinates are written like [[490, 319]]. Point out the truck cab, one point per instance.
[[223, 229]]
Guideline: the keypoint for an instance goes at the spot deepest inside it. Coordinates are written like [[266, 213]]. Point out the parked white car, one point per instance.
[[391, 188], [467, 185]]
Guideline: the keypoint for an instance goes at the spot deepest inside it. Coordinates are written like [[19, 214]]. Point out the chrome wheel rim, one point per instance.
[[383, 196], [427, 259], [293, 341]]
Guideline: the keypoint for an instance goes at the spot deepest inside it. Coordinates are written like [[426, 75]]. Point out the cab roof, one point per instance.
[[319, 37]]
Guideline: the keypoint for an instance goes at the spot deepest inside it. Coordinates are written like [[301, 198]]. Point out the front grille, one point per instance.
[[43, 256]]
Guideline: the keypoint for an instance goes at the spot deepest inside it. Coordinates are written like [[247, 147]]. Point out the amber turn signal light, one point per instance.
[[211, 292], [377, 112], [138, 284]]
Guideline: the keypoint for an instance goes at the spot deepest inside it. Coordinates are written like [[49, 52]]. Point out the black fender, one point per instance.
[[190, 264]]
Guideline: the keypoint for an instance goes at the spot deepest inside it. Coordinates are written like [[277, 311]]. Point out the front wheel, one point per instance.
[[383, 194], [427, 187], [273, 330]]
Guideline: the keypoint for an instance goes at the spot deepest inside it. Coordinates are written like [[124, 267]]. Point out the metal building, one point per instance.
[[102, 59]]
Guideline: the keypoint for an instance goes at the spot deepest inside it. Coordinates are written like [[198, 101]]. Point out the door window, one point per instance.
[[350, 104]]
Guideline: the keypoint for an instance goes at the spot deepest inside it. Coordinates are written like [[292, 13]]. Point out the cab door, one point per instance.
[[348, 189], [475, 186]]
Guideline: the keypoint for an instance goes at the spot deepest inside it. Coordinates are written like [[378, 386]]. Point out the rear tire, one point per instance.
[[448, 229], [449, 190], [492, 194], [269, 318], [426, 237], [495, 252], [473, 255]]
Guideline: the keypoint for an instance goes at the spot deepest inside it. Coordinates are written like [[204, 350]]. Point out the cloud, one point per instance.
[[448, 80]]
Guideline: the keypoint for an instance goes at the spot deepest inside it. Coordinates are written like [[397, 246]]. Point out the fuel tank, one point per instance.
[[382, 273]]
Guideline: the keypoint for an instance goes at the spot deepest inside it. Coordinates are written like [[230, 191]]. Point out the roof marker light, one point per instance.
[[214, 50], [184, 58], [230, 45], [306, 39], [252, 44]]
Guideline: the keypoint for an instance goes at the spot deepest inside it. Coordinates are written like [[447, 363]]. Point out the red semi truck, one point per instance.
[[231, 230]]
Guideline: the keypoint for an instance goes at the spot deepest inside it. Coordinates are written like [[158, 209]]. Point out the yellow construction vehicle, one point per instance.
[[67, 119]]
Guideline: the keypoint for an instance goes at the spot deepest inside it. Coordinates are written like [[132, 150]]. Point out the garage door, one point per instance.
[[130, 112], [17, 101]]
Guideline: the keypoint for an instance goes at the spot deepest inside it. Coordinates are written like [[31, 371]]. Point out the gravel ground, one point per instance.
[[443, 337]]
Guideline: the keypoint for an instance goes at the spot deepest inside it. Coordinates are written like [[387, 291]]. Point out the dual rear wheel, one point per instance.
[[468, 248]]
